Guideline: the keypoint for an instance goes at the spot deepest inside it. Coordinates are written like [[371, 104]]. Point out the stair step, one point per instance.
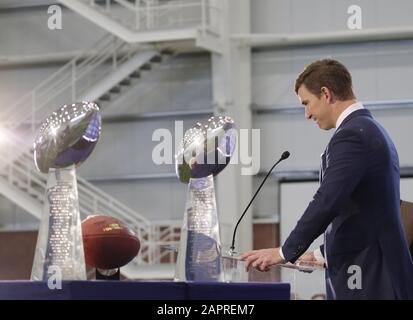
[[157, 58], [22, 186], [135, 74], [33, 193], [146, 66], [115, 89], [167, 52], [105, 97], [125, 82]]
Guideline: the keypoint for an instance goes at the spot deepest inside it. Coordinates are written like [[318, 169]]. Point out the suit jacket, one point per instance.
[[357, 207]]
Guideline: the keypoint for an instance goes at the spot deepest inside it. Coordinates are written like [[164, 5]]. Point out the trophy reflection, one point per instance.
[[205, 151], [65, 139]]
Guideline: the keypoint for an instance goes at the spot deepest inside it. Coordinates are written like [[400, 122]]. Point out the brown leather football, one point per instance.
[[108, 242]]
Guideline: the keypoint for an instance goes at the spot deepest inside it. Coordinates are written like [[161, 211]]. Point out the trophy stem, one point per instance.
[[59, 250], [199, 256]]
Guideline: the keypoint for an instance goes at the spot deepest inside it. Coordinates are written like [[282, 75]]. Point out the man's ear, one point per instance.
[[327, 94]]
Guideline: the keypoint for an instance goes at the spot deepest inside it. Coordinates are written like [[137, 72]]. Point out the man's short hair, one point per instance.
[[327, 73]]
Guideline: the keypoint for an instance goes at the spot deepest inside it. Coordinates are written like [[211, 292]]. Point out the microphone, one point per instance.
[[284, 156]]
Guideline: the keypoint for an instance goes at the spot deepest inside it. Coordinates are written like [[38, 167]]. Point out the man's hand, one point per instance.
[[307, 257], [261, 259]]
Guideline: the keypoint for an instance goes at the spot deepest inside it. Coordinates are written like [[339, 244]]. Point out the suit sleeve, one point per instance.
[[345, 166]]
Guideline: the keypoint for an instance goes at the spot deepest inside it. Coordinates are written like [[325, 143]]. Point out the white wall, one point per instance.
[[25, 32], [294, 200], [285, 16], [374, 68], [406, 189], [13, 217]]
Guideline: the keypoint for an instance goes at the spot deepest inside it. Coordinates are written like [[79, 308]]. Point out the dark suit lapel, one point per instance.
[[322, 166], [358, 113], [361, 112]]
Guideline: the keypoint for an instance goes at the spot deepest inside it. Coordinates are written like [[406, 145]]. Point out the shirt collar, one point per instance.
[[350, 109]]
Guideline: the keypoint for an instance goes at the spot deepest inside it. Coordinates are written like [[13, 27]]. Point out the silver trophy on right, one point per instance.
[[205, 151]]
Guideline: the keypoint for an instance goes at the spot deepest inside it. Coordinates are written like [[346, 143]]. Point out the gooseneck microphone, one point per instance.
[[284, 156]]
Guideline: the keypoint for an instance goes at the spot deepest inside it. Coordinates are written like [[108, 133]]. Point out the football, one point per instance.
[[108, 242]]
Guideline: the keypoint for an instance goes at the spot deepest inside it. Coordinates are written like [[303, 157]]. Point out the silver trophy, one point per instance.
[[64, 141], [205, 151]]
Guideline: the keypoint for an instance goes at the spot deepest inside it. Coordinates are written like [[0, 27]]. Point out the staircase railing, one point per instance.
[[150, 15], [92, 200], [67, 84]]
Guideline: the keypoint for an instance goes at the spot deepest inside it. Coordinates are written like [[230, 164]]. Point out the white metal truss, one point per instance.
[[106, 59], [152, 20], [123, 70]]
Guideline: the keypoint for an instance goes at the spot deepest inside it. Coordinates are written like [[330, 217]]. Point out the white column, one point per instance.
[[231, 77]]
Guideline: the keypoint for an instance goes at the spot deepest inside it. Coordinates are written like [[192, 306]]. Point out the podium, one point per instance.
[[143, 290], [306, 279]]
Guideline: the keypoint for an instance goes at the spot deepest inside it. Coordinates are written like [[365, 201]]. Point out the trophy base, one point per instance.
[[199, 255], [59, 250], [113, 274]]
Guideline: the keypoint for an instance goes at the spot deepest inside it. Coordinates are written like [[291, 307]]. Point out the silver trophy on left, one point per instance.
[[65, 139]]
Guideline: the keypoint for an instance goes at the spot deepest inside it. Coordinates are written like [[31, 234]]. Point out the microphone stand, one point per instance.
[[231, 251]]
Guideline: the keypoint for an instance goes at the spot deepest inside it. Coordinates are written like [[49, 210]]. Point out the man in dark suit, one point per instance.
[[357, 204], [406, 210]]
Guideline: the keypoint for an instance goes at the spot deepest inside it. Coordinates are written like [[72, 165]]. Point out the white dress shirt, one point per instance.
[[349, 110]]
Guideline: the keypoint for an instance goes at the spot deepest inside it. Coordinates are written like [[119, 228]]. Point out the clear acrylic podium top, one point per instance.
[[306, 278]]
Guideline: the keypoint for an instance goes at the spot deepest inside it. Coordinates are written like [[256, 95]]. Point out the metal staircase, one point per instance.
[[88, 76], [92, 75], [124, 79], [150, 20]]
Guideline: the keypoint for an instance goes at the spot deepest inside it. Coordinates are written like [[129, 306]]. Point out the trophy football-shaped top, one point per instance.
[[68, 136], [65, 139], [205, 151]]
